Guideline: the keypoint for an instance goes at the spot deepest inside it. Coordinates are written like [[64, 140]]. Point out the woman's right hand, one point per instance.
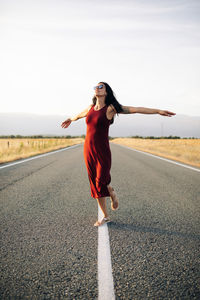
[[66, 123]]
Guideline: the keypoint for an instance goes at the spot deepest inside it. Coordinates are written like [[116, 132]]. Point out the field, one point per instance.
[[12, 149], [182, 150]]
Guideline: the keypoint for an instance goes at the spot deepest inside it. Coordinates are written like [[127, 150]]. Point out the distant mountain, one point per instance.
[[124, 125]]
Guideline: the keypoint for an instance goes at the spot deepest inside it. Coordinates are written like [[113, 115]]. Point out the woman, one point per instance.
[[99, 116]]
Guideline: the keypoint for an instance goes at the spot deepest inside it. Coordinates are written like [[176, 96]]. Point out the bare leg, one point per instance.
[[102, 204], [114, 198]]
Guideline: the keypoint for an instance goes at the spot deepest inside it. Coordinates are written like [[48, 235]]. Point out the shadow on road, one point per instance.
[[132, 227]]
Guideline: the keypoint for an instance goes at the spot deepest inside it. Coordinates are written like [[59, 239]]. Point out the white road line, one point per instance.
[[168, 160], [105, 278], [37, 156]]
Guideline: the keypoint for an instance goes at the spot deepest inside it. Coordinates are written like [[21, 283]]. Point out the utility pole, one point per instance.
[[162, 129]]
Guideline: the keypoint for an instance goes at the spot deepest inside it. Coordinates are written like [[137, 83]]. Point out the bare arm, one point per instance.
[[145, 110], [81, 115]]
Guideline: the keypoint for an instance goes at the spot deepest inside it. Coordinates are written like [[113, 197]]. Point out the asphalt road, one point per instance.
[[49, 245]]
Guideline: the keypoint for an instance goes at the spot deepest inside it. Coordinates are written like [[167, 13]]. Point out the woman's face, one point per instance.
[[100, 90]]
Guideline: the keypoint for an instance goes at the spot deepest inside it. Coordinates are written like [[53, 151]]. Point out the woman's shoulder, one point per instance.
[[90, 106], [110, 112], [111, 109]]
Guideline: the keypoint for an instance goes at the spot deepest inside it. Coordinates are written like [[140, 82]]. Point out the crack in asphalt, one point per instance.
[[27, 175]]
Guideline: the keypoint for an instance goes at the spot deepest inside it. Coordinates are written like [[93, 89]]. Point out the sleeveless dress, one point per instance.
[[97, 154]]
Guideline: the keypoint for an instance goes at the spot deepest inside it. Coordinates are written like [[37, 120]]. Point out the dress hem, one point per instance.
[[100, 196]]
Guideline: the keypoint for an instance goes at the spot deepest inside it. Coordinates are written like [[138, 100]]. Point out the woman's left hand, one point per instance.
[[166, 113]]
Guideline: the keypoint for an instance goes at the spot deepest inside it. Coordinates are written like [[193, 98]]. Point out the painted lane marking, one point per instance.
[[105, 278], [37, 156], [168, 160]]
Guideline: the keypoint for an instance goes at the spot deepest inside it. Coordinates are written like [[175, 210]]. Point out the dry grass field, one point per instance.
[[182, 150], [12, 149]]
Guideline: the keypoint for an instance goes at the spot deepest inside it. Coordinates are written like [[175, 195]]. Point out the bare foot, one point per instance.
[[114, 199], [103, 221]]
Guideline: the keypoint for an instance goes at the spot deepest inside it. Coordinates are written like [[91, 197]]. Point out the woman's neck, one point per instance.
[[100, 102]]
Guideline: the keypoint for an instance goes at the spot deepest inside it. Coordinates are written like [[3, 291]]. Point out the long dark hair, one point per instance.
[[110, 99]]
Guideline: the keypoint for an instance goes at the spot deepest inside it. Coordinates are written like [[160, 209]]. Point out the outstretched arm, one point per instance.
[[83, 114], [145, 110]]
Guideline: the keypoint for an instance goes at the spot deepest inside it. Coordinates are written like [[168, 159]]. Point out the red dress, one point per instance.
[[97, 152]]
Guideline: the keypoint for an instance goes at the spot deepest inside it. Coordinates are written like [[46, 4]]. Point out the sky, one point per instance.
[[52, 53]]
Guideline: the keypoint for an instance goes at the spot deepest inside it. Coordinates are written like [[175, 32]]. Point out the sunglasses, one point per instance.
[[98, 87]]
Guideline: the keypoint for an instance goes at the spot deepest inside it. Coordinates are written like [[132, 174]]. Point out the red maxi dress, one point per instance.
[[97, 154]]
